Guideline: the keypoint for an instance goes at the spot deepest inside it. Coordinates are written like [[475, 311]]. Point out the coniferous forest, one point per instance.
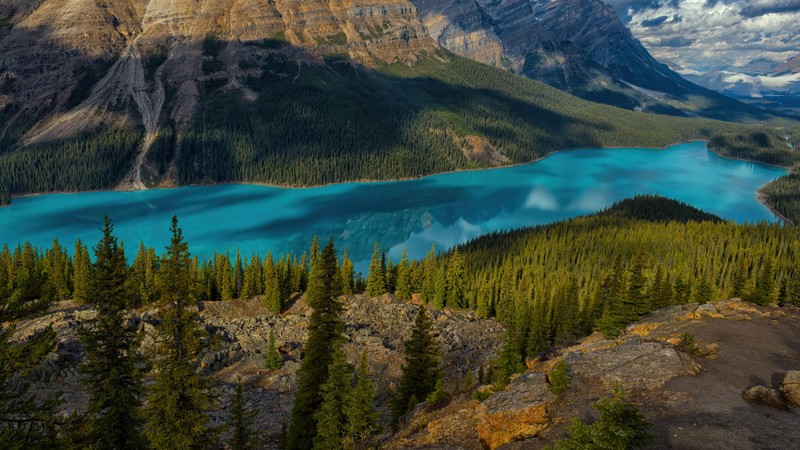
[[318, 124], [548, 285]]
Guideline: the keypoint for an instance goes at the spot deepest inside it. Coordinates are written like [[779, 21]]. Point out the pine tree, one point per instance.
[[637, 300], [362, 415], [765, 284], [404, 281], [332, 419], [376, 280], [179, 398], [455, 280], [324, 331], [272, 286], [238, 275], [110, 347], [509, 359], [347, 271], [440, 297], [241, 423], [740, 278], [81, 273], [273, 360], [421, 367], [704, 292], [428, 290]]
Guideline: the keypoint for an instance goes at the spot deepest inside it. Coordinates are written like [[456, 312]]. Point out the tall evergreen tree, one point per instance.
[[455, 280], [376, 280], [324, 331], [179, 398], [241, 423], [110, 347], [362, 415], [273, 360], [509, 359], [272, 286], [428, 291], [421, 366], [740, 278], [81, 273], [332, 415], [347, 271], [765, 284], [404, 281], [703, 292], [440, 296]]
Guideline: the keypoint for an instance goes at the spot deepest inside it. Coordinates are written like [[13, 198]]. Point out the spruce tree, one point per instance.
[[272, 286], [81, 273], [404, 281], [240, 424], [376, 280], [347, 270], [455, 280], [765, 284], [110, 347], [440, 296], [420, 370], [362, 415], [179, 397], [637, 300], [704, 291], [332, 415], [740, 278], [509, 360], [273, 360], [428, 291], [324, 331]]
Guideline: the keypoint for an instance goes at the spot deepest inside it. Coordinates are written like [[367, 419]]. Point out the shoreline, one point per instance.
[[760, 197], [358, 181]]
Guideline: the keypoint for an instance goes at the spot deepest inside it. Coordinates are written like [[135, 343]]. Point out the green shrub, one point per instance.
[[558, 380], [621, 426]]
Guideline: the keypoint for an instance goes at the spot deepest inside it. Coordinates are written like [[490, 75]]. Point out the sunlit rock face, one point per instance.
[[120, 49]]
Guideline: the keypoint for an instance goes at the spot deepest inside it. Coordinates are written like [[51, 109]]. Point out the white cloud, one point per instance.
[[700, 36]]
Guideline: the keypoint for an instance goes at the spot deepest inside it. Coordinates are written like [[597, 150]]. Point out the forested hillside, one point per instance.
[[549, 285], [314, 124]]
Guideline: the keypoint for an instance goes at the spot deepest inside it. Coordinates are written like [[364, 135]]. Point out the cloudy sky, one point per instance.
[[717, 39]]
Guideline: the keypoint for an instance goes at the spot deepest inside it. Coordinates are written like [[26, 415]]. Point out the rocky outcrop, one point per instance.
[[521, 411], [237, 338], [691, 396]]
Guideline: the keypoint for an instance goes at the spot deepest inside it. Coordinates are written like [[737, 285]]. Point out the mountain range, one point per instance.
[[82, 81]]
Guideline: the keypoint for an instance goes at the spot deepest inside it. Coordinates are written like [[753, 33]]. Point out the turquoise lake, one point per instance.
[[442, 209]]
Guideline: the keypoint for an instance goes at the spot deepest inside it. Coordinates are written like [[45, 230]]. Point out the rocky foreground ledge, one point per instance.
[[693, 395], [238, 332], [729, 390]]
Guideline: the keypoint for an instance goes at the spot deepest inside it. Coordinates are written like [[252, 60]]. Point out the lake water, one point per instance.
[[442, 209]]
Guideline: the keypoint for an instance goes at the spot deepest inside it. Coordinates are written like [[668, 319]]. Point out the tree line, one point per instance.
[[549, 285], [334, 405], [318, 124]]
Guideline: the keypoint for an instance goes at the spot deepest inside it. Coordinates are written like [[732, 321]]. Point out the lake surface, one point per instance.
[[442, 209]]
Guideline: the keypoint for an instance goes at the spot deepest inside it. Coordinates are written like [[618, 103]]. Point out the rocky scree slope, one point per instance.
[[238, 332], [695, 399]]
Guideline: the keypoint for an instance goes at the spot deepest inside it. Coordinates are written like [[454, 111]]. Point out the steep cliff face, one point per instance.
[[576, 45]]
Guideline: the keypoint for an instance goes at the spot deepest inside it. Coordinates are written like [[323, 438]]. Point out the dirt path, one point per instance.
[[713, 414]]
